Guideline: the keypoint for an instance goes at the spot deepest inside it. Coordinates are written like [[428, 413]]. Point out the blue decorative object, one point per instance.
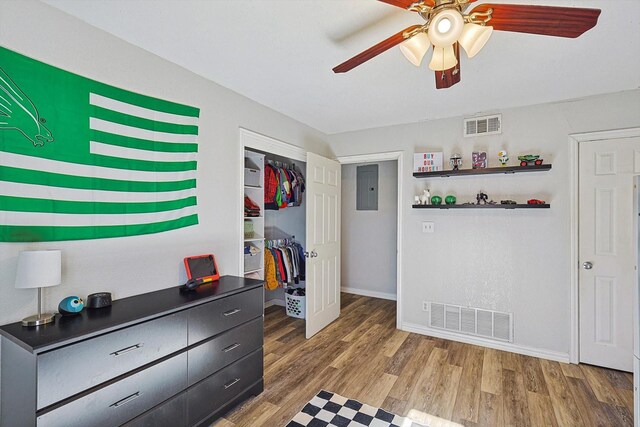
[[71, 305]]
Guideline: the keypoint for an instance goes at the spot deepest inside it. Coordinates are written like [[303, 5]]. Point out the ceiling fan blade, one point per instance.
[[405, 4], [374, 51], [545, 20], [447, 78]]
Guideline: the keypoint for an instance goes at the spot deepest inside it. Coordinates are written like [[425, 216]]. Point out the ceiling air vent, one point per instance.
[[488, 125], [471, 321]]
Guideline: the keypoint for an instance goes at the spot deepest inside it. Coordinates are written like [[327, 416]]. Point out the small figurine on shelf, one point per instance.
[[455, 161], [535, 202], [482, 197], [507, 202], [529, 159], [479, 159], [503, 157], [436, 200], [426, 197], [416, 200], [450, 199]]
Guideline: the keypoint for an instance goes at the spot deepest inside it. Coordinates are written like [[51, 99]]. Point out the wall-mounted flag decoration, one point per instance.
[[80, 159]]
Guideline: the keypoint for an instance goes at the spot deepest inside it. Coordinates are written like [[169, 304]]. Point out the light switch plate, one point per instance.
[[428, 227]]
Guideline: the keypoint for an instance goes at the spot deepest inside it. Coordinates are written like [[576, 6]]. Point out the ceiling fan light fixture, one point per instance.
[[443, 58], [415, 48], [445, 28], [474, 37]]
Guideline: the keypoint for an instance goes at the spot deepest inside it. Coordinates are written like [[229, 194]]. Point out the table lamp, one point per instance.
[[39, 269]]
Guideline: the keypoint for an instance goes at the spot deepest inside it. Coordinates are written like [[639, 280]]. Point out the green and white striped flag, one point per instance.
[[80, 159]]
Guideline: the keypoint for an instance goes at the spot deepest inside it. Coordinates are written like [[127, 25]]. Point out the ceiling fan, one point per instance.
[[448, 27]]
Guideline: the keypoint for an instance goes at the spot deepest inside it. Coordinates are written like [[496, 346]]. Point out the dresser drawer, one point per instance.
[[224, 349], [215, 317], [122, 401], [213, 392], [172, 413], [64, 372]]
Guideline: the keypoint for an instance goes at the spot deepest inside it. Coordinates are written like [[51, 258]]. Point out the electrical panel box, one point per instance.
[[367, 188]]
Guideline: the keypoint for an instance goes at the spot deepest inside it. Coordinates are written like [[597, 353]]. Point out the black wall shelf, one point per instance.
[[483, 171], [496, 206]]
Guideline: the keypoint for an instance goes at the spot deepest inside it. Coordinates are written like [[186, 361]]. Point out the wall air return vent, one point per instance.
[[471, 321], [487, 125]]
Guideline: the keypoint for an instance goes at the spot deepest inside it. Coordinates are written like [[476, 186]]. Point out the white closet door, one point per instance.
[[607, 251], [323, 243]]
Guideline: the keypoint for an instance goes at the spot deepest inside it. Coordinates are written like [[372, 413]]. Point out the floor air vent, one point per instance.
[[471, 321], [487, 125]]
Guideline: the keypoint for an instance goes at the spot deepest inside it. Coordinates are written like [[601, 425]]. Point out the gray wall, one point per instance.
[[516, 261], [368, 239], [133, 265]]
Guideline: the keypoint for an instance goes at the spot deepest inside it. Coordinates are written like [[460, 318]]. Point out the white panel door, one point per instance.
[[323, 243], [607, 251]]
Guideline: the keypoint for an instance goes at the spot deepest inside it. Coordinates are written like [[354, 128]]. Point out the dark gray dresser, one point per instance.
[[165, 358]]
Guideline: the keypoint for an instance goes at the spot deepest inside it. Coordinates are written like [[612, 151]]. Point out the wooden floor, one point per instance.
[[362, 356]]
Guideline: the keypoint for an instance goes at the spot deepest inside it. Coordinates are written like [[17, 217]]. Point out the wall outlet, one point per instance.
[[425, 306], [428, 227]]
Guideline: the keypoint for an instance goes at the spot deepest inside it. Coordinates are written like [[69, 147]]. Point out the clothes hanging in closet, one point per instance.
[[283, 186], [284, 262], [270, 281]]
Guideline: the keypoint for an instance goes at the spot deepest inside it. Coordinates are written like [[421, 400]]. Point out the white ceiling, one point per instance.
[[280, 53]]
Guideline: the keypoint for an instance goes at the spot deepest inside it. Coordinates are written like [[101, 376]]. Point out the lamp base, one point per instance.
[[37, 320]]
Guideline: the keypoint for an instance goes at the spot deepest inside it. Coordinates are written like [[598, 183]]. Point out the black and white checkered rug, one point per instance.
[[330, 409]]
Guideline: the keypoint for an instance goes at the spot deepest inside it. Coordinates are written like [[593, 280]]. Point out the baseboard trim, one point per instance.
[[367, 293], [504, 346], [274, 302]]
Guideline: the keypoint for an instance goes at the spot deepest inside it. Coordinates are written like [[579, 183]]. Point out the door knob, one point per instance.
[[587, 265], [314, 254]]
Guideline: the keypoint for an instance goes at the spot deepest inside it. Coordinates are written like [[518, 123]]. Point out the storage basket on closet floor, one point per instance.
[[294, 305]]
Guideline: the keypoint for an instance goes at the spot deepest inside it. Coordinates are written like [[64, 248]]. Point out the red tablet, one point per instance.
[[201, 267]]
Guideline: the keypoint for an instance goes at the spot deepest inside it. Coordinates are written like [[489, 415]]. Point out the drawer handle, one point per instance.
[[226, 386], [125, 400], [231, 347], [232, 312], [127, 350]]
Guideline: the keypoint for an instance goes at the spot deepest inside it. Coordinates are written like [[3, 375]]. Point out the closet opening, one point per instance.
[[275, 228], [305, 232]]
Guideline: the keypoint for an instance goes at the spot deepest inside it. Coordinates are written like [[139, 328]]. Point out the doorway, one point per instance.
[[606, 164], [396, 158], [369, 228]]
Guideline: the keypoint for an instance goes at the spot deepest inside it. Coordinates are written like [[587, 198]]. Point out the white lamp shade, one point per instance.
[[443, 58], [415, 48], [445, 28], [39, 269], [474, 37]]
